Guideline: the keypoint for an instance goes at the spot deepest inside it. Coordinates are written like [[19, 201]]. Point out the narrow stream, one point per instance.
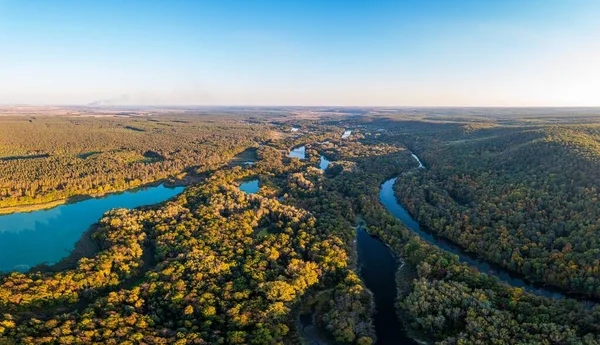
[[418, 161]]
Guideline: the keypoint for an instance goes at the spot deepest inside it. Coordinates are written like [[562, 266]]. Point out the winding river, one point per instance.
[[378, 267], [388, 199], [28, 239]]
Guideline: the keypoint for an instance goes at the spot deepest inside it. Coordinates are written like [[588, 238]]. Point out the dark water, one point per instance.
[[388, 199], [324, 163], [378, 270], [46, 236], [250, 187], [298, 152], [246, 157]]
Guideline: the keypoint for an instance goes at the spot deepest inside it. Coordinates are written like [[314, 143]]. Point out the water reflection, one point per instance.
[[324, 163], [298, 152], [378, 270], [46, 236]]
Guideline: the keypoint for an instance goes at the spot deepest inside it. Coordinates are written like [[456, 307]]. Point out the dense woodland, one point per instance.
[[46, 159], [525, 198], [218, 266]]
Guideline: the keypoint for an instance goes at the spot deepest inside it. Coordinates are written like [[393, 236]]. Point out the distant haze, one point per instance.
[[343, 53]]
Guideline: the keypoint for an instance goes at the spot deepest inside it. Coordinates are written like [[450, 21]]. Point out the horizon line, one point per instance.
[[301, 106]]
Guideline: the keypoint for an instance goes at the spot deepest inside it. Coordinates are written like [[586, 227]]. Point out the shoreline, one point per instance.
[[167, 182], [473, 259]]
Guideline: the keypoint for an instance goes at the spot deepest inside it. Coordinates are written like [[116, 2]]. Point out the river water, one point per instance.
[[378, 268], [31, 238], [388, 199]]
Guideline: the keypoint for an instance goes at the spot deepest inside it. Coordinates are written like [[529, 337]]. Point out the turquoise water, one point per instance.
[[31, 238], [250, 187]]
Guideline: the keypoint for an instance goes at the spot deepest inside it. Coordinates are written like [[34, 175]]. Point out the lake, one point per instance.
[[250, 187], [324, 163], [46, 236], [298, 152]]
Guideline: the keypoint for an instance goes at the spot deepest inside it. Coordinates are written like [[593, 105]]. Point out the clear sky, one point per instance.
[[305, 52]]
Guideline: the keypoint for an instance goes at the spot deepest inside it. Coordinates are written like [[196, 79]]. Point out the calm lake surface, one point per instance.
[[378, 270], [46, 236], [250, 187], [324, 163], [298, 152]]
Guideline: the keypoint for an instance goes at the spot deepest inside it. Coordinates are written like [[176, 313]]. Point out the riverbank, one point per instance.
[[378, 267], [308, 312], [183, 179], [168, 182], [388, 198], [405, 275]]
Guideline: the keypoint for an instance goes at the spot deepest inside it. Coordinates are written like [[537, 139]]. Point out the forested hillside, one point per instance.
[[525, 198]]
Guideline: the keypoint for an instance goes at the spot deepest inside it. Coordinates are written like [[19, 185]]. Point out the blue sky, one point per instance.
[[225, 52]]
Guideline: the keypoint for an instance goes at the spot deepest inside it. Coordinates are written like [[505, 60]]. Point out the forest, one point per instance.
[[525, 198], [48, 159], [215, 265]]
